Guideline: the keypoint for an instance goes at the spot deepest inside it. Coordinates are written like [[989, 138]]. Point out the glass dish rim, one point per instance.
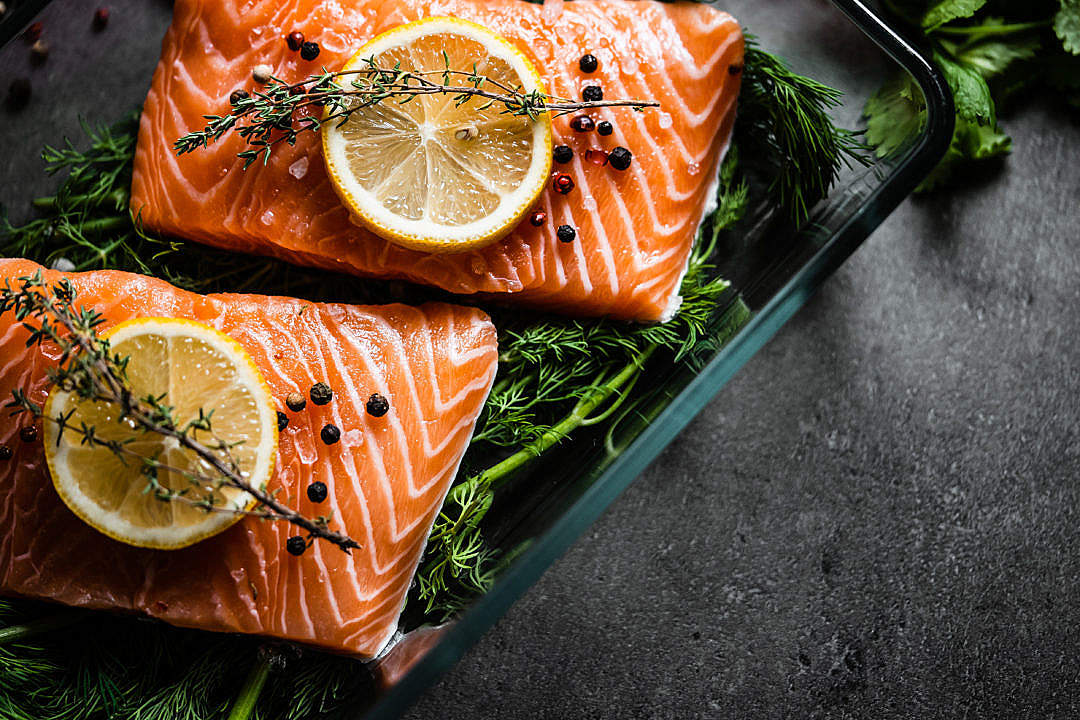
[[526, 569], [908, 171]]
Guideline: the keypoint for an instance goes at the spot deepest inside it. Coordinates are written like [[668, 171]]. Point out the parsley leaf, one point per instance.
[[948, 10], [970, 91], [1067, 25], [990, 52], [894, 114], [970, 141], [993, 57]]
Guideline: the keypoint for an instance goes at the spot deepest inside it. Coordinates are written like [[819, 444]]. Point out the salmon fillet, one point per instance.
[[387, 476], [635, 228]]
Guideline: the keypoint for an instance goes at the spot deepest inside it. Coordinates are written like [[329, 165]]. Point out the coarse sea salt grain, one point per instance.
[[589, 203], [665, 120], [267, 217], [299, 168]]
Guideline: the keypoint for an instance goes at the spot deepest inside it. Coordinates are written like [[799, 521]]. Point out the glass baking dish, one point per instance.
[[773, 267]]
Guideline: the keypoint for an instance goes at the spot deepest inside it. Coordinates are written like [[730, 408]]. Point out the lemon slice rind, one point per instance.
[[426, 234], [70, 471]]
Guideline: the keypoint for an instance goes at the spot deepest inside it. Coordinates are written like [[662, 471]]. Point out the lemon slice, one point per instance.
[[195, 366], [430, 174]]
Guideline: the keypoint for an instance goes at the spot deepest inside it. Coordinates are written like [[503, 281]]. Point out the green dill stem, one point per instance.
[[18, 633], [106, 224], [497, 475], [244, 705], [118, 197]]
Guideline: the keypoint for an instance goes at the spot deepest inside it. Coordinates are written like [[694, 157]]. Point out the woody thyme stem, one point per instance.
[[86, 367], [269, 112]]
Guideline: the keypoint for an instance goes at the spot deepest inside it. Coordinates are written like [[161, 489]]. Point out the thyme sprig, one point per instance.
[[270, 116], [88, 368]]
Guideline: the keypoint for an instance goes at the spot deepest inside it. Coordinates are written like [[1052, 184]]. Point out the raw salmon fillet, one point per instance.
[[387, 476], [635, 228]]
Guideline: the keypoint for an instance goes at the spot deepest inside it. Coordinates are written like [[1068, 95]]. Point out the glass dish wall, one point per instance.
[[772, 267]]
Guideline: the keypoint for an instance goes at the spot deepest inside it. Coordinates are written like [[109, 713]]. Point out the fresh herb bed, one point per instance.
[[557, 379], [992, 53]]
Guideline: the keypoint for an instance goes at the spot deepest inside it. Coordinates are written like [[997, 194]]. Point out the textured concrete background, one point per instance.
[[877, 518]]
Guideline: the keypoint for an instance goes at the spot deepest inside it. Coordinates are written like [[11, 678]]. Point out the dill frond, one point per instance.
[[784, 125]]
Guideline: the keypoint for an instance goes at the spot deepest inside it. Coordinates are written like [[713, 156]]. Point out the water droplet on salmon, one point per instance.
[[551, 11], [299, 168], [693, 168], [267, 217], [665, 120]]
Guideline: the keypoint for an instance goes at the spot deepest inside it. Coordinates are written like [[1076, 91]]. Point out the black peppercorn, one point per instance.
[[282, 421], [563, 154], [330, 434], [563, 183], [592, 93], [309, 50], [316, 491], [295, 402], [620, 158], [28, 433], [605, 128], [588, 63], [582, 123], [295, 40], [296, 545], [101, 18], [565, 233], [237, 96], [5, 452], [321, 394], [377, 405]]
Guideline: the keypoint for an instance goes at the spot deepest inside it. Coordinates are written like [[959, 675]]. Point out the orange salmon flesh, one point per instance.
[[387, 476], [635, 228]]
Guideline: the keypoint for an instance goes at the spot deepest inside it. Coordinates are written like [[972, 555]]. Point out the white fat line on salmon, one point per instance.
[[711, 205]]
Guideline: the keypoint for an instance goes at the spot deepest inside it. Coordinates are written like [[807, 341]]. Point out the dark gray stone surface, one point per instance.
[[877, 518]]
